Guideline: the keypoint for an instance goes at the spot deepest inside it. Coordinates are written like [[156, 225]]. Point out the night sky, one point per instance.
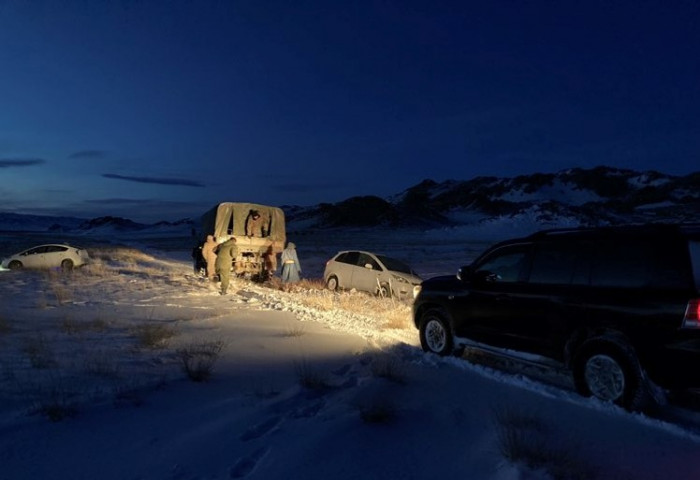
[[158, 110]]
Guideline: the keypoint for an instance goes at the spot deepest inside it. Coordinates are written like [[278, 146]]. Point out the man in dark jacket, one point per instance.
[[226, 254]]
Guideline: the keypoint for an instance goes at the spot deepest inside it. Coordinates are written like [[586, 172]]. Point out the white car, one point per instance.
[[370, 272], [48, 256]]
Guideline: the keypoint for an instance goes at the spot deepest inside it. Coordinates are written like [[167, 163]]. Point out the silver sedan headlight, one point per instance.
[[416, 290]]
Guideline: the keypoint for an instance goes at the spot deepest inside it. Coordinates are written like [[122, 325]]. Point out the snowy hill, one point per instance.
[[13, 222], [36, 223], [596, 196]]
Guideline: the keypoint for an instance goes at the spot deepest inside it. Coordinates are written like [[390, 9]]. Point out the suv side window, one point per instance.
[[672, 269], [504, 265], [694, 246], [618, 264], [560, 263]]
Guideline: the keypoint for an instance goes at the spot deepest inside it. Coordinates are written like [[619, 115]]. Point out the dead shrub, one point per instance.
[[55, 401], [128, 395], [102, 364], [295, 330], [389, 368], [303, 284], [61, 292], [309, 377], [154, 335], [377, 411], [5, 326], [198, 359], [39, 351], [522, 439], [72, 326]]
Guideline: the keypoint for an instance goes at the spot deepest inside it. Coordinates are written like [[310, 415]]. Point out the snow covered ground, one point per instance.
[[307, 384]]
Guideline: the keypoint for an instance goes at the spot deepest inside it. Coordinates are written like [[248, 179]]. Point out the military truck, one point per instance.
[[259, 230]]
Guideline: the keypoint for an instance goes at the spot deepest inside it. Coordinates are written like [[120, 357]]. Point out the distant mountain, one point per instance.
[[597, 196], [107, 224], [37, 223]]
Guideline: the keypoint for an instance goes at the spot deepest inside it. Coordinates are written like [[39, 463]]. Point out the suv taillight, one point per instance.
[[692, 314]]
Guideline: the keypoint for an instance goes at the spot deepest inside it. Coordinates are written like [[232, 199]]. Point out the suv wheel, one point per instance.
[[332, 284], [610, 371], [435, 333]]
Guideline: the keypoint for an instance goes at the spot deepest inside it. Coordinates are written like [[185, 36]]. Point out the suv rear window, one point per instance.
[[617, 263], [694, 247], [560, 264]]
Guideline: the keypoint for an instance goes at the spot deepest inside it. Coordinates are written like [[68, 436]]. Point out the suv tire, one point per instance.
[[608, 369], [436, 333]]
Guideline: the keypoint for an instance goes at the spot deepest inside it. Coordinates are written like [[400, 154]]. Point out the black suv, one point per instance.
[[619, 306]]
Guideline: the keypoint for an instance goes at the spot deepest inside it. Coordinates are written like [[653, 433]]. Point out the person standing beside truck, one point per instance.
[[290, 264], [209, 255], [227, 252], [270, 260]]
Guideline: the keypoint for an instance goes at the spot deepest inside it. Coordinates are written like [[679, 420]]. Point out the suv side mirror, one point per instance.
[[465, 273]]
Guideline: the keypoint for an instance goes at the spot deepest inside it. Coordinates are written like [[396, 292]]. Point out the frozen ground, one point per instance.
[[308, 384]]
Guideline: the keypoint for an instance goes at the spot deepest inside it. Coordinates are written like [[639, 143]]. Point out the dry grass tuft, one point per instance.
[[128, 395], [58, 287], [102, 364], [98, 268], [72, 327], [522, 439], [126, 255], [154, 335], [389, 368], [198, 359], [295, 330], [5, 326], [378, 411], [54, 400], [39, 352], [309, 377], [302, 285]]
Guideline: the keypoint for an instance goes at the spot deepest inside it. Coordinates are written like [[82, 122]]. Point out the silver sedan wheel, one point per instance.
[[332, 284], [604, 377], [435, 336]]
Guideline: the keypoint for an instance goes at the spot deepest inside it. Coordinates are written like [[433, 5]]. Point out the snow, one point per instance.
[[309, 384], [558, 191]]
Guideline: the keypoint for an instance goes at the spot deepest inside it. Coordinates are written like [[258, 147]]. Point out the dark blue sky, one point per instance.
[[159, 110]]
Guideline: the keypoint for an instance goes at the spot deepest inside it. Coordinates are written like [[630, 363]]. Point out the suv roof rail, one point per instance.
[[693, 227]]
